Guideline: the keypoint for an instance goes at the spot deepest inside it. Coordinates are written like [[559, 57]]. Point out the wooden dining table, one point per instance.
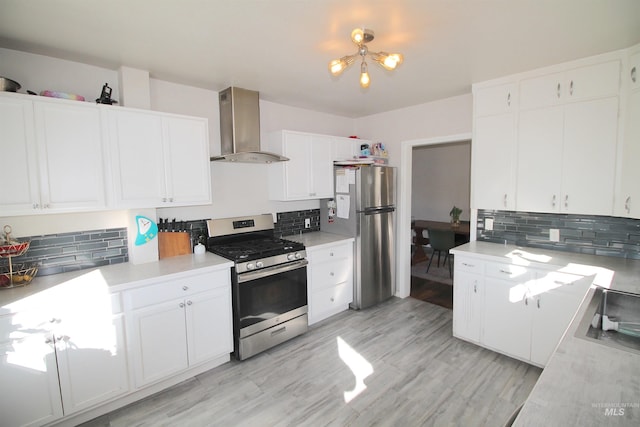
[[461, 230]]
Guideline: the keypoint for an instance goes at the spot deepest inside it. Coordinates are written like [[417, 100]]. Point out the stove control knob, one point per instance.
[[259, 264], [290, 257], [250, 266], [298, 255]]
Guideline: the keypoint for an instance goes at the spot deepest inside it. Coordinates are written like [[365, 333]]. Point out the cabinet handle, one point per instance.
[[505, 271], [566, 201], [505, 200], [538, 302], [331, 274], [181, 305], [561, 283], [332, 300], [553, 201], [312, 194], [558, 90], [189, 302], [164, 200], [46, 206], [509, 99], [526, 301], [633, 74], [185, 288], [48, 341], [54, 320], [330, 253], [36, 206], [627, 204], [468, 265], [475, 288], [170, 199], [571, 88]]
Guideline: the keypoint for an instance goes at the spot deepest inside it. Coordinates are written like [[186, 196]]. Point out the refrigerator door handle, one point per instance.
[[375, 211]]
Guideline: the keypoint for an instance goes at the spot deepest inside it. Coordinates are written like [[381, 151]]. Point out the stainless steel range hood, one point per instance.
[[240, 128]]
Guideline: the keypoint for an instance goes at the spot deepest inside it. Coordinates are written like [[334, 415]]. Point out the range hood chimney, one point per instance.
[[240, 128]]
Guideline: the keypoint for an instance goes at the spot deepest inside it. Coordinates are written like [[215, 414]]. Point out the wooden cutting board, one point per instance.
[[173, 244]]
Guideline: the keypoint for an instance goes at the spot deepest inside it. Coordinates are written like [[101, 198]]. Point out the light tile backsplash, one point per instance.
[[588, 234]]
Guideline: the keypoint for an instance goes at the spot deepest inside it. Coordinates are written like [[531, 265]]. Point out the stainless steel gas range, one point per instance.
[[269, 282]]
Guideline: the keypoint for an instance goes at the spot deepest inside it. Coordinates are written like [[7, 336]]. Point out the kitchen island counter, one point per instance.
[[584, 383]]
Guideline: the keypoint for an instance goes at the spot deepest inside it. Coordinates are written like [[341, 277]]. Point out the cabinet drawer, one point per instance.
[[469, 265], [331, 253], [331, 299], [516, 273], [328, 274], [177, 288]]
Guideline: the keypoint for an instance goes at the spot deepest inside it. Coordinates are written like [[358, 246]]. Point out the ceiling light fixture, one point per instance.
[[362, 36]]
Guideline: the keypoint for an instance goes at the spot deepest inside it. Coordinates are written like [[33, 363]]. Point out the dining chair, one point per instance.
[[441, 241]]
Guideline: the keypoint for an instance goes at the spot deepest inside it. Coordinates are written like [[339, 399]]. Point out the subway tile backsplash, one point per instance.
[[290, 223], [588, 234], [60, 253]]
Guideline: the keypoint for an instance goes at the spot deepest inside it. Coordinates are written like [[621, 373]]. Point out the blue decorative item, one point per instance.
[[147, 230]]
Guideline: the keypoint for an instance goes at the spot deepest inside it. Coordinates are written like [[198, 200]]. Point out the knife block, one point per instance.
[[173, 244]]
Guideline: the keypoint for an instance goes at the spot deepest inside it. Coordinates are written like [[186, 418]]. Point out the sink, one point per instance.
[[612, 319]]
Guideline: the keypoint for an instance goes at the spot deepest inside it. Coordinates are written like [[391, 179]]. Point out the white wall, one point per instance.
[[440, 180], [448, 116]]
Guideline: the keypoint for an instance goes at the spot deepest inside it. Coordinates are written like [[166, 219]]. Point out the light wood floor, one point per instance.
[[416, 374]]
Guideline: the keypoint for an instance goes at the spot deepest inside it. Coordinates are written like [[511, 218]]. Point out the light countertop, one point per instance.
[[584, 383], [115, 277], [318, 239]]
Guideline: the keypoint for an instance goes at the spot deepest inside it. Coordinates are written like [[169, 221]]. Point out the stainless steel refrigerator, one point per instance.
[[364, 208]]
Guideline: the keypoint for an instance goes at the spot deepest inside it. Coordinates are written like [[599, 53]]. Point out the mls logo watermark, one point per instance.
[[615, 409]]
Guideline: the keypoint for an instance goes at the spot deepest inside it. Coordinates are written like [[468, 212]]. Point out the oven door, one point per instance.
[[271, 296]]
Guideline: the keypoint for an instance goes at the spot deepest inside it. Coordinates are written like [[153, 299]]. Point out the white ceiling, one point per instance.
[[282, 48]]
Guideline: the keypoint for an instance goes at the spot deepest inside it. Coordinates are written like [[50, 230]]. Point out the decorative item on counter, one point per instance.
[[199, 249], [379, 150], [364, 150], [19, 274], [455, 216], [147, 230], [105, 96]]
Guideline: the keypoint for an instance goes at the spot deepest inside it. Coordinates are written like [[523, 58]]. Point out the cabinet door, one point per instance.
[[208, 322], [346, 148], [592, 81], [589, 156], [91, 359], [542, 91], [29, 379], [159, 341], [634, 71], [540, 136], [19, 192], [495, 100], [321, 167], [298, 182], [468, 301], [628, 203], [492, 162], [138, 159], [187, 161], [71, 158], [507, 317]]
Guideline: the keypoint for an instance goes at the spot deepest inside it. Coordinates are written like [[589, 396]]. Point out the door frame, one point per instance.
[[403, 250]]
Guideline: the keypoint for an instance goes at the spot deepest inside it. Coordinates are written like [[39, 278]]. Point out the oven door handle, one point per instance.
[[270, 271]]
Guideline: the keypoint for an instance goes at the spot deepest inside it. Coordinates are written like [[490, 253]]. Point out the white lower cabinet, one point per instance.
[[468, 299], [71, 356], [516, 310], [330, 280], [178, 324]]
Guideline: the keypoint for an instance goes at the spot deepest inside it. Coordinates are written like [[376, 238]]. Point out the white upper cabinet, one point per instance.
[[547, 140], [346, 148], [493, 148], [20, 157], [579, 84], [159, 159], [53, 153], [628, 194], [309, 172]]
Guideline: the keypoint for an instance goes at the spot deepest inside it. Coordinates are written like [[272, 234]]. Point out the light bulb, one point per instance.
[[364, 76], [357, 35], [336, 66]]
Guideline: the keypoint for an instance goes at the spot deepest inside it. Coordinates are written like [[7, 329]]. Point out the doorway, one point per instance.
[[403, 249]]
